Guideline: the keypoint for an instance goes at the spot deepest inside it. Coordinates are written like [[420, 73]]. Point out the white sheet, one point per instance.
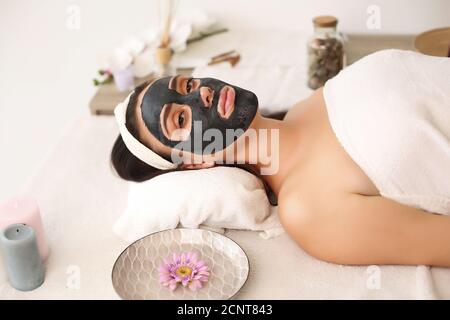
[[80, 201]]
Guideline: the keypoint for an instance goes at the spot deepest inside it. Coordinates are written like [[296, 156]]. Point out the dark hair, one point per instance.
[[130, 168], [126, 164]]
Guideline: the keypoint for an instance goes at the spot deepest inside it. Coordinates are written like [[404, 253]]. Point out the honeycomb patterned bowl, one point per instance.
[[135, 273]]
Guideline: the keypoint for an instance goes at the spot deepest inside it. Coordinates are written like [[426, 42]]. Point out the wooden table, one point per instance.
[[359, 45]]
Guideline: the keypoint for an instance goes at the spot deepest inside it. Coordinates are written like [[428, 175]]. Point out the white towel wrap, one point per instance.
[[391, 113]]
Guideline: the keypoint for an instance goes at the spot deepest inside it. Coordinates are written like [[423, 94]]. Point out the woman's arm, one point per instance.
[[357, 229]]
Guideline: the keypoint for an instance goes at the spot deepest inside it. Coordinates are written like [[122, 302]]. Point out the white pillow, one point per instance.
[[219, 197]]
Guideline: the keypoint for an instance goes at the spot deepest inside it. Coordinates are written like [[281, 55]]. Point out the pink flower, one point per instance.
[[184, 268]]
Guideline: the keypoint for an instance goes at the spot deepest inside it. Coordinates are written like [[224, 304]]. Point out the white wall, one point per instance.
[[46, 68], [397, 16]]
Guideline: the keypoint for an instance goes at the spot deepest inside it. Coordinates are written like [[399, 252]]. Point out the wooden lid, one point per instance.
[[434, 42], [325, 21]]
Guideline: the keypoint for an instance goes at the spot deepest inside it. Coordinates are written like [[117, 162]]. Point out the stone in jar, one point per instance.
[[325, 52]]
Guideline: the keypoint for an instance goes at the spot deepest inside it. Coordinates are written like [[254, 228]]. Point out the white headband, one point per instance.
[[138, 149]]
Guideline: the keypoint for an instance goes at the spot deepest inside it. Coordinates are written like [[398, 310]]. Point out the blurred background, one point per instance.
[[47, 61]]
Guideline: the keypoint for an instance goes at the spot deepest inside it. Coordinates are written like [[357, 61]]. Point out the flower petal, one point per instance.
[[163, 268], [194, 285], [173, 286], [185, 282], [164, 277]]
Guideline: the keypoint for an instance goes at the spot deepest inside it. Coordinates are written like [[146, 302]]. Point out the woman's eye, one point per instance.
[[189, 85], [181, 120]]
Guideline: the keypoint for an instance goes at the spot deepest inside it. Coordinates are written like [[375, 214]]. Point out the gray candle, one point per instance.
[[22, 260]]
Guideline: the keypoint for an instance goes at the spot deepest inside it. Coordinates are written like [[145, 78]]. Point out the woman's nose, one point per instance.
[[207, 95]]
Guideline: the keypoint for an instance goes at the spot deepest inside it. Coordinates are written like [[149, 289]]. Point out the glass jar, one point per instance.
[[325, 52]]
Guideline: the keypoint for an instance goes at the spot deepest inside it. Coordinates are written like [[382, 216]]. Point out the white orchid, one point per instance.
[[144, 63], [120, 59], [179, 34], [133, 46], [199, 20], [138, 51]]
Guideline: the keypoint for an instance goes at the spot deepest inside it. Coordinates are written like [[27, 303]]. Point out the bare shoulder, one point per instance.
[[305, 206], [311, 193], [316, 98], [299, 199]]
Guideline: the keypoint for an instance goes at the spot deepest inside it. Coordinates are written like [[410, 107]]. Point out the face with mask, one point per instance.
[[182, 109]]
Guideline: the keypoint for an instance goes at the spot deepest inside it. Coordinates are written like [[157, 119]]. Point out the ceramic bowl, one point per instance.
[[135, 274]]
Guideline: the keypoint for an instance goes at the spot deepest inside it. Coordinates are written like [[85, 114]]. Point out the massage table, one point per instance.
[[80, 199]]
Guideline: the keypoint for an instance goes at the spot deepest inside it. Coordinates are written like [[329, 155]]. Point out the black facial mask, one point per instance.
[[159, 94]]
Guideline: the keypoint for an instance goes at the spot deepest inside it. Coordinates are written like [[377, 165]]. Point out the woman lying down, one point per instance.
[[360, 169]]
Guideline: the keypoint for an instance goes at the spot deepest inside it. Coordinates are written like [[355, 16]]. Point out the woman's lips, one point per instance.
[[225, 106]]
